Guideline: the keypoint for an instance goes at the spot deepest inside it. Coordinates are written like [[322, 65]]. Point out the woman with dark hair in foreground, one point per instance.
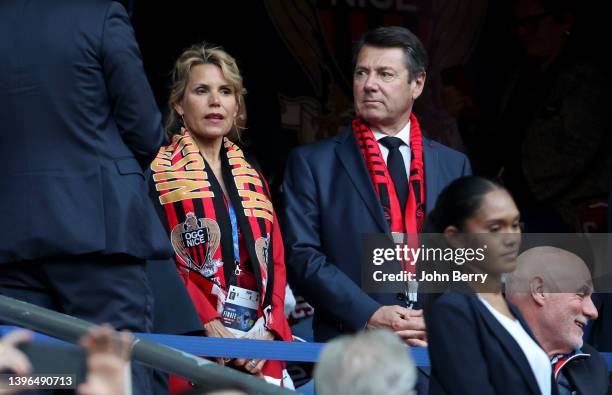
[[478, 343]]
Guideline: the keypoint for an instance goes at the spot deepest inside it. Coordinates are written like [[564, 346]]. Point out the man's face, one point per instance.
[[566, 314], [540, 34], [383, 96]]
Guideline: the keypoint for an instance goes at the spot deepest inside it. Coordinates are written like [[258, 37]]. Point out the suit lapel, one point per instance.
[[511, 346], [430, 159], [516, 312], [579, 375], [353, 163]]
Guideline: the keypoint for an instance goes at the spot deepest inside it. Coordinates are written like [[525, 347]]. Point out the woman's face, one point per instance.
[[495, 225], [209, 105]]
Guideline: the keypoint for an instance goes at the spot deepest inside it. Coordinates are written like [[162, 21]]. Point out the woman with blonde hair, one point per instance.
[[218, 209]]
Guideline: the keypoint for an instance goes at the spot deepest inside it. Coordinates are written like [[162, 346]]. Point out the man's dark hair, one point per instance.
[[558, 8], [415, 54]]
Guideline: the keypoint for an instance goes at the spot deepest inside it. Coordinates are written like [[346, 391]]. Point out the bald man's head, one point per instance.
[[552, 288], [560, 271]]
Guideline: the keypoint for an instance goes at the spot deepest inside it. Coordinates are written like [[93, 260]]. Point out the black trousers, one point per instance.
[[111, 289]]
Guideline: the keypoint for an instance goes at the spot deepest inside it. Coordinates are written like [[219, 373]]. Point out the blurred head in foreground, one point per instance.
[[368, 363]]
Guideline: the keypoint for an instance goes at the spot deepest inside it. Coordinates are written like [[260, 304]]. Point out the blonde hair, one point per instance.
[[195, 55]]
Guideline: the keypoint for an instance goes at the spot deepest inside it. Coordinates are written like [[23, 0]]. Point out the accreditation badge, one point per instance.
[[240, 310]]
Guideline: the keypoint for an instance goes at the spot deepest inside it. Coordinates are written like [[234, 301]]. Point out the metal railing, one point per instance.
[[200, 371]]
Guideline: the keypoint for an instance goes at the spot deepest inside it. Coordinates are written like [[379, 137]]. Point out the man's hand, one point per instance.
[[415, 335], [408, 324]]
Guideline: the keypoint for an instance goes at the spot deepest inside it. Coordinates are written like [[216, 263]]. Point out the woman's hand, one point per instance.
[[257, 332], [253, 366], [215, 328]]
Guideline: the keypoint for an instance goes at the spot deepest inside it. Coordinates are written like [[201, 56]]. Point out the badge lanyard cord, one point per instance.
[[233, 220]]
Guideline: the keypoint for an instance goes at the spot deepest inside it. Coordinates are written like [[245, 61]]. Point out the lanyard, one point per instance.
[[234, 221]]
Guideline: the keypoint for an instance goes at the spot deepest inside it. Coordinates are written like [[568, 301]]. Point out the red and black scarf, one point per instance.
[[411, 221], [198, 218]]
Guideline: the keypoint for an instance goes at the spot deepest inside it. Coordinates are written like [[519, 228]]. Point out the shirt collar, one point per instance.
[[559, 361], [403, 134], [576, 352]]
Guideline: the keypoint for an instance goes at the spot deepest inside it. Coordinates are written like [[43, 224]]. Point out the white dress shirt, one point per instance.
[[537, 358], [404, 135]]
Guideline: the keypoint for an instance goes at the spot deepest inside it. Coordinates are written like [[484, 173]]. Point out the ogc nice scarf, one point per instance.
[[200, 226]]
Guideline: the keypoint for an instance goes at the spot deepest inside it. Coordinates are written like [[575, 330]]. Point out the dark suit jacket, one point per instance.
[[588, 376], [472, 353], [173, 310], [330, 202], [79, 122]]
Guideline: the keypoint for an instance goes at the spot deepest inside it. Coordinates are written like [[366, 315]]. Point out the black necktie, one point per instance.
[[397, 168]]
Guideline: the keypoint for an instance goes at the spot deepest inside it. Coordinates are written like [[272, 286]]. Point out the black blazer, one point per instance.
[[78, 123], [173, 310], [472, 353]]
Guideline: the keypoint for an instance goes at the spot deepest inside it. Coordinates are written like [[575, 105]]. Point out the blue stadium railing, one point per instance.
[[243, 348], [151, 353], [256, 349]]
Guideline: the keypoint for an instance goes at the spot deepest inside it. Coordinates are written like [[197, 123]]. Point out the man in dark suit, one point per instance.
[[79, 122], [552, 289], [378, 176]]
